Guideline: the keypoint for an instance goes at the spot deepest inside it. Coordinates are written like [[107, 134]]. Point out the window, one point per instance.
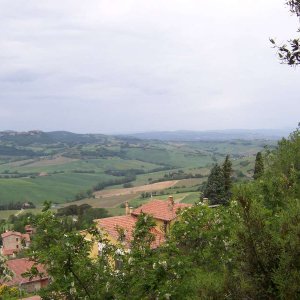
[[17, 246], [17, 239]]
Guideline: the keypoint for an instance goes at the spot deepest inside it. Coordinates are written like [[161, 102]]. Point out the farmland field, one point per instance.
[[62, 167]]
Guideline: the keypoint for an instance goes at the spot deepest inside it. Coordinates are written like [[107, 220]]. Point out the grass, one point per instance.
[[191, 157], [4, 214], [58, 188], [191, 198]]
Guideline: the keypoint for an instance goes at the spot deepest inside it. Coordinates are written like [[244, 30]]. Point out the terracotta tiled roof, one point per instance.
[[159, 209], [127, 223], [9, 233], [111, 224], [20, 266], [18, 234]]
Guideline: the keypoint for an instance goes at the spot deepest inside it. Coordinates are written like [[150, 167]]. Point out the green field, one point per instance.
[[72, 163]]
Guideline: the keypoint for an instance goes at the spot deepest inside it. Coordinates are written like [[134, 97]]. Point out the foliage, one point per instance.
[[227, 173], [9, 293], [215, 186], [84, 215], [5, 273], [65, 255], [259, 166], [19, 222], [248, 249], [290, 54]]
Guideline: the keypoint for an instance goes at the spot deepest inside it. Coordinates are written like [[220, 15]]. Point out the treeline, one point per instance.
[[17, 205], [84, 171], [102, 185], [18, 175], [130, 172], [176, 175], [13, 151], [78, 217]]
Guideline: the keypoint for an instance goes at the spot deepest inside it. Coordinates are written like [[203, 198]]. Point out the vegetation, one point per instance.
[[259, 166], [84, 216], [248, 249], [219, 183], [63, 167], [290, 54]]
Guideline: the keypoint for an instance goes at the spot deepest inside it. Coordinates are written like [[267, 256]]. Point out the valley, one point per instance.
[[105, 171]]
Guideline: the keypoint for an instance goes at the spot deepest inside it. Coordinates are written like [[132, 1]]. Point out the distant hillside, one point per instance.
[[62, 166], [214, 135], [40, 137], [37, 137]]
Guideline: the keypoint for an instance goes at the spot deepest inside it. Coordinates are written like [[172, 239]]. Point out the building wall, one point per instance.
[[35, 285], [12, 242]]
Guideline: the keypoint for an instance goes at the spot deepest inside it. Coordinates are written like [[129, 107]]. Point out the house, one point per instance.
[[13, 242], [19, 267], [163, 212], [29, 229]]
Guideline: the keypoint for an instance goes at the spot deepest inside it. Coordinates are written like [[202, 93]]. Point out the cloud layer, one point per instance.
[[130, 65]]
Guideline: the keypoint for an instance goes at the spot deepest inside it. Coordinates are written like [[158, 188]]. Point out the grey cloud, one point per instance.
[[108, 66]]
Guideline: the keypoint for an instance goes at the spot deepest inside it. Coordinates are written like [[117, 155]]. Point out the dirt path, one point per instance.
[[138, 189]]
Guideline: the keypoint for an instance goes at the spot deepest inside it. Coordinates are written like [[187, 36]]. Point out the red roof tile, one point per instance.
[[9, 233], [110, 225], [20, 266], [159, 209], [25, 236], [127, 223]]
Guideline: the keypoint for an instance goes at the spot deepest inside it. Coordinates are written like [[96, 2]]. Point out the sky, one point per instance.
[[120, 66]]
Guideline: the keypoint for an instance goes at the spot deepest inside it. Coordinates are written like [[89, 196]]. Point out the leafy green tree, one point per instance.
[[65, 255], [265, 213], [215, 187], [86, 219], [259, 166], [290, 54]]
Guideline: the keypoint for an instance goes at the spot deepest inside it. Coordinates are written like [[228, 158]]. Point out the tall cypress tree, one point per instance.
[[215, 188], [227, 171], [259, 166]]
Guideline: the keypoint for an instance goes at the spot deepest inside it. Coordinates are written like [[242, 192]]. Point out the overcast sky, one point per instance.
[[138, 65]]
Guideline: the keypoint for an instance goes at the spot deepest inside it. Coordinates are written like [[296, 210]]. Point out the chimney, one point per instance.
[[171, 201], [130, 209], [126, 208], [205, 201]]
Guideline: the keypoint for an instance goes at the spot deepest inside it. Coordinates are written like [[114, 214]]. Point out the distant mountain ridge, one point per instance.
[[41, 137], [215, 135]]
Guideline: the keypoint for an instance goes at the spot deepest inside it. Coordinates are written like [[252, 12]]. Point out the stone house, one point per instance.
[[164, 213], [19, 267], [13, 242]]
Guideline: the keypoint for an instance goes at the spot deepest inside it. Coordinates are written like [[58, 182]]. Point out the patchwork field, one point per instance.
[[63, 167]]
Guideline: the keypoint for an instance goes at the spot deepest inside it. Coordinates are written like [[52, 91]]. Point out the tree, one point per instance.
[[215, 187], [290, 54], [266, 229], [259, 166], [227, 171]]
